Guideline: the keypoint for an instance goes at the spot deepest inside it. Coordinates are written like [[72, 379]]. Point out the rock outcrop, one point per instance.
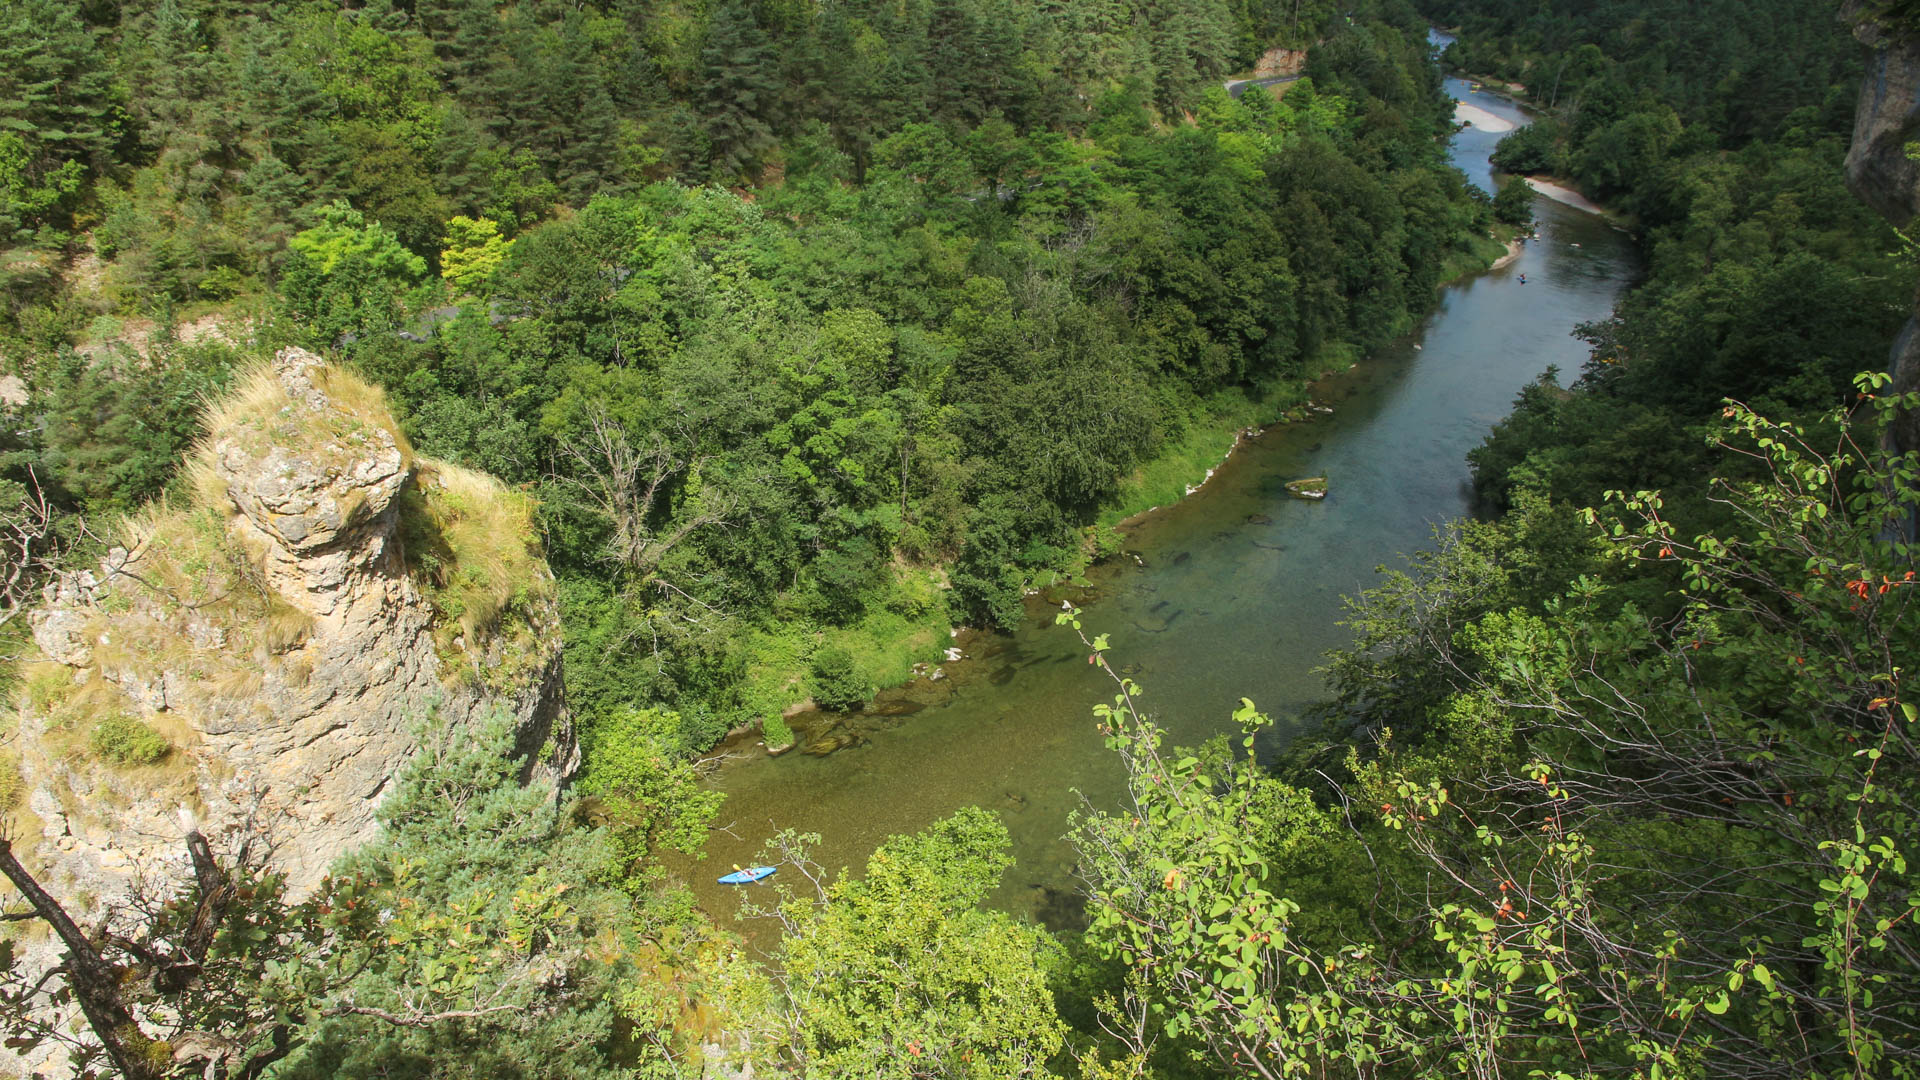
[[1885, 122], [1280, 62], [261, 658]]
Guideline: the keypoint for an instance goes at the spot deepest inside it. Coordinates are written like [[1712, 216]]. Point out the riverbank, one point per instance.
[[1185, 464], [896, 640], [1559, 189], [1481, 120], [1562, 190]]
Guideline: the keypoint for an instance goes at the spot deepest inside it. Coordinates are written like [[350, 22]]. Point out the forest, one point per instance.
[[814, 329]]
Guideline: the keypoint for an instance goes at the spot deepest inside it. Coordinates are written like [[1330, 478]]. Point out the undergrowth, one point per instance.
[[472, 544], [1196, 442]]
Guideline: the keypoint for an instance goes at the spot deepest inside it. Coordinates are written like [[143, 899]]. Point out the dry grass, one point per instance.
[[284, 626], [236, 684], [48, 685], [206, 488], [473, 544], [254, 401], [87, 701], [362, 402], [258, 413], [12, 787]]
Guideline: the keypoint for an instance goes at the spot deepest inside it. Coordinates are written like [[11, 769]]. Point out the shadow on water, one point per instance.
[[1236, 590]]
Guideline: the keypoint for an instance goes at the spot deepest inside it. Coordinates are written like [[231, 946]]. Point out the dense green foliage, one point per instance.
[[123, 740], [1722, 136], [816, 327], [1730, 71], [192, 137], [899, 974], [496, 911], [939, 338]]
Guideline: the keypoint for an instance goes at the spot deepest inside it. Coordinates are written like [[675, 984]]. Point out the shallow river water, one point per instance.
[[1237, 591]]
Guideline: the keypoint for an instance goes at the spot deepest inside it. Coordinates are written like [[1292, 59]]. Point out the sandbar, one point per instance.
[[1480, 119], [1565, 195]]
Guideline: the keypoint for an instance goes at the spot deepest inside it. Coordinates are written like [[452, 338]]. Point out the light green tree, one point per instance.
[[474, 250], [646, 790], [899, 973], [350, 278], [343, 235]]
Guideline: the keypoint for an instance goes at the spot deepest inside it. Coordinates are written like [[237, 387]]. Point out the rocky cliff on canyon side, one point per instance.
[[1882, 167], [259, 655]]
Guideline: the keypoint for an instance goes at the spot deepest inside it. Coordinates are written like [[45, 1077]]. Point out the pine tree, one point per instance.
[[54, 109], [737, 89]]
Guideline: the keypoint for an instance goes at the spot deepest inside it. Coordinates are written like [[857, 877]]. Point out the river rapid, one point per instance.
[[1237, 589]]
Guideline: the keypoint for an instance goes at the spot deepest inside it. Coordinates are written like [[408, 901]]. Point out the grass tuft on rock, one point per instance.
[[122, 740], [473, 545], [259, 413]]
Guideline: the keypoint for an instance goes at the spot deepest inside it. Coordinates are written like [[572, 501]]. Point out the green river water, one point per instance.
[[1237, 590]]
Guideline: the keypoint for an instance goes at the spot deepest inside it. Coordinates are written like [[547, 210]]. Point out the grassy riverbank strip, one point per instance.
[[908, 626]]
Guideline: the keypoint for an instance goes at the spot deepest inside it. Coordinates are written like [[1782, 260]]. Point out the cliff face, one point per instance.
[[1885, 122], [260, 659]]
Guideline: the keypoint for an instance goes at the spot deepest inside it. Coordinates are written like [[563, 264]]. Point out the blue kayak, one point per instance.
[[748, 876]]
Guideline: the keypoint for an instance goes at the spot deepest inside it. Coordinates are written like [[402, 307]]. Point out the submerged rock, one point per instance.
[[833, 740], [1313, 488]]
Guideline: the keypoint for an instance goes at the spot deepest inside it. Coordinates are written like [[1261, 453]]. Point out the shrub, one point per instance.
[[126, 741], [776, 732], [837, 681], [1514, 204]]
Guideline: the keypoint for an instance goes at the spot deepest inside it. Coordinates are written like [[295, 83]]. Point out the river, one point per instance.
[[1237, 591]]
